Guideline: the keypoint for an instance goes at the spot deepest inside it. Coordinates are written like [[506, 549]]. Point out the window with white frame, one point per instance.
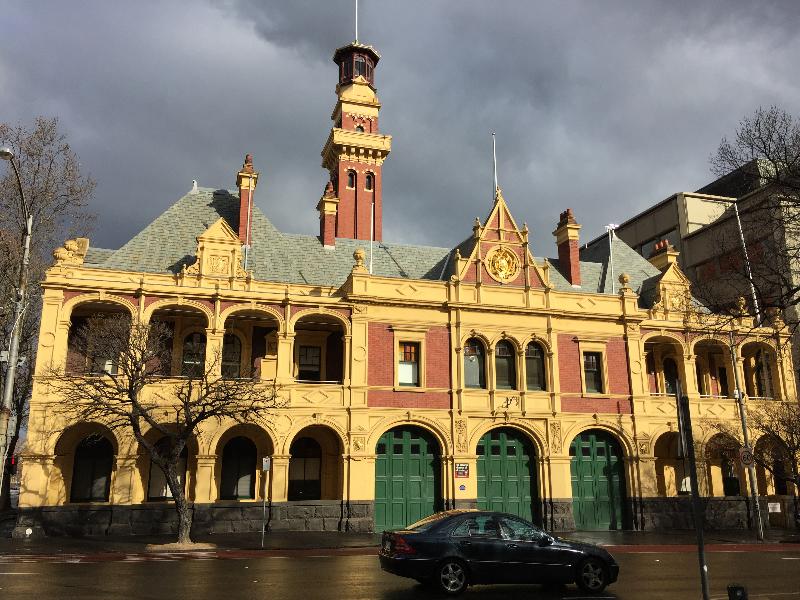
[[408, 365]]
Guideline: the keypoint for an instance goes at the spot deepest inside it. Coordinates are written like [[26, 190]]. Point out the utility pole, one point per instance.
[[687, 439], [19, 313], [751, 471]]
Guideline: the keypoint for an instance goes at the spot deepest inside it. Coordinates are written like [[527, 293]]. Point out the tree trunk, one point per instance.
[[5, 493], [181, 505]]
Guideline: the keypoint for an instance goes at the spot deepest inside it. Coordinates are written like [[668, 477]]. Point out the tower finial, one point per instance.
[[494, 162]]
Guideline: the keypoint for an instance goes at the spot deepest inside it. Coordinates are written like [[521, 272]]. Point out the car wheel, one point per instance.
[[592, 576], [451, 577]]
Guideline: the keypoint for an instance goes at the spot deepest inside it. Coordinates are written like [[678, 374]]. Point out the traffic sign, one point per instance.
[[746, 456], [266, 462]]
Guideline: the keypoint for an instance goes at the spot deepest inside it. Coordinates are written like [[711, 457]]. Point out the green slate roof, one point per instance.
[[170, 242]]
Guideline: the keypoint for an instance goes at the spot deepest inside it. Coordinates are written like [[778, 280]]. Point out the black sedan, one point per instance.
[[457, 548]]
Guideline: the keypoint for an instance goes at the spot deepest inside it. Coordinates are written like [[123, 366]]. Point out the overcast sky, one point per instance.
[[605, 107]]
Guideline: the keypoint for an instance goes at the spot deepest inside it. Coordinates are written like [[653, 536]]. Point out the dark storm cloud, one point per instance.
[[606, 107]]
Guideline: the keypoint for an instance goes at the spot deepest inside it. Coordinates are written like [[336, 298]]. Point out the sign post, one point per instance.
[[687, 440], [266, 463]]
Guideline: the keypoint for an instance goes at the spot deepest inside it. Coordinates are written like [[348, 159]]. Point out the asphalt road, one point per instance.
[[644, 576]]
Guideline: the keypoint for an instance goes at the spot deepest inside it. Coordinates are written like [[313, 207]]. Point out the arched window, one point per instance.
[[91, 471], [361, 66], [360, 128], [351, 179], [368, 184], [670, 376], [194, 355], [763, 375], [305, 470], [505, 366], [231, 356], [474, 364], [238, 469], [534, 367], [157, 488]]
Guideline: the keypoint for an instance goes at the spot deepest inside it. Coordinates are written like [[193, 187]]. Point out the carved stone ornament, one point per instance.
[[220, 265], [502, 264], [72, 252], [461, 435], [555, 437]]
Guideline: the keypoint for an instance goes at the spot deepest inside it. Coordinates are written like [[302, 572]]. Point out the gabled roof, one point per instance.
[[170, 242]]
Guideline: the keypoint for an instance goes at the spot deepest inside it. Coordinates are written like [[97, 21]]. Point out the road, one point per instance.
[[644, 576]]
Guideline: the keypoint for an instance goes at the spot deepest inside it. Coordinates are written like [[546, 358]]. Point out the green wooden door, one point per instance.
[[507, 474], [407, 477], [598, 481]]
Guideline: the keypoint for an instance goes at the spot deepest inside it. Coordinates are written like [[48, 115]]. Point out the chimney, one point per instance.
[[327, 206], [246, 180], [663, 255], [567, 234]]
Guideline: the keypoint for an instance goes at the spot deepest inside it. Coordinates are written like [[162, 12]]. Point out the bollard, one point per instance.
[[737, 592]]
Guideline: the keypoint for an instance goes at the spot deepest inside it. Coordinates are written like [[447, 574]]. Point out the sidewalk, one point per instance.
[[367, 542]]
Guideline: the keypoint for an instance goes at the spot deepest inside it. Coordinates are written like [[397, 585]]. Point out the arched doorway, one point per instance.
[[598, 481], [407, 477], [507, 474], [91, 472], [315, 466], [238, 469]]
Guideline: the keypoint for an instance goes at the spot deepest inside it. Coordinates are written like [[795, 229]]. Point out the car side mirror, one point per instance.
[[545, 540]]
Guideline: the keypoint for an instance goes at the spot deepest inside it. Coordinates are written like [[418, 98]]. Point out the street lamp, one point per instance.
[[19, 311]]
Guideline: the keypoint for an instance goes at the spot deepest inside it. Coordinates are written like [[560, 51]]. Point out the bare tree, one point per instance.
[[56, 193], [122, 361]]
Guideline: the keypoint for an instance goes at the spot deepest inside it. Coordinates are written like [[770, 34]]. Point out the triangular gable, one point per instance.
[[673, 292], [219, 253], [499, 254]]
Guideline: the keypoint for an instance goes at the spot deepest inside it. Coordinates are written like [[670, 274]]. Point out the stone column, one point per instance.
[[285, 373], [561, 516], [34, 480], [125, 473], [280, 478], [214, 339], [205, 490]]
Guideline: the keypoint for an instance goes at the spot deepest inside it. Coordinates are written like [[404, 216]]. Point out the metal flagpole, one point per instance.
[[494, 162], [356, 21], [371, 231]]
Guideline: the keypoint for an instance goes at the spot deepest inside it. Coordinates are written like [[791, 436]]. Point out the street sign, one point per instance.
[[462, 470], [746, 456], [266, 463]]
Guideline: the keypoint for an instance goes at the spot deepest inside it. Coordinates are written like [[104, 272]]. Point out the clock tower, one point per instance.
[[354, 152]]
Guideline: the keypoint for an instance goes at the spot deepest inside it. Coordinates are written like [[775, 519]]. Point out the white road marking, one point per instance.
[[17, 573]]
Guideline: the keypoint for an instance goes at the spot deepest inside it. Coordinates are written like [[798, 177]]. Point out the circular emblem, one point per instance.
[[746, 456], [503, 264]]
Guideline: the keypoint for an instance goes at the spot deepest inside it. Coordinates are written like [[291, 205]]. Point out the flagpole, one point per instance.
[[494, 162], [371, 232], [356, 21]]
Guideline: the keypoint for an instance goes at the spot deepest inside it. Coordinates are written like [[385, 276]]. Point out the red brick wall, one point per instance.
[[380, 360], [569, 364], [327, 228], [381, 357], [437, 358], [355, 205], [617, 357]]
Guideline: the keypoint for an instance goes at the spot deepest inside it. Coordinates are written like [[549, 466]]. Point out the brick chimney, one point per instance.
[[663, 255], [567, 234], [246, 180], [328, 206]]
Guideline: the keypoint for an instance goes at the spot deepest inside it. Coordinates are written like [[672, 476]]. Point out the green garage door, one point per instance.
[[598, 481], [507, 474], [407, 477]]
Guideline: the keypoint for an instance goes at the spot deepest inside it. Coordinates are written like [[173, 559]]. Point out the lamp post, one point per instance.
[[19, 311]]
